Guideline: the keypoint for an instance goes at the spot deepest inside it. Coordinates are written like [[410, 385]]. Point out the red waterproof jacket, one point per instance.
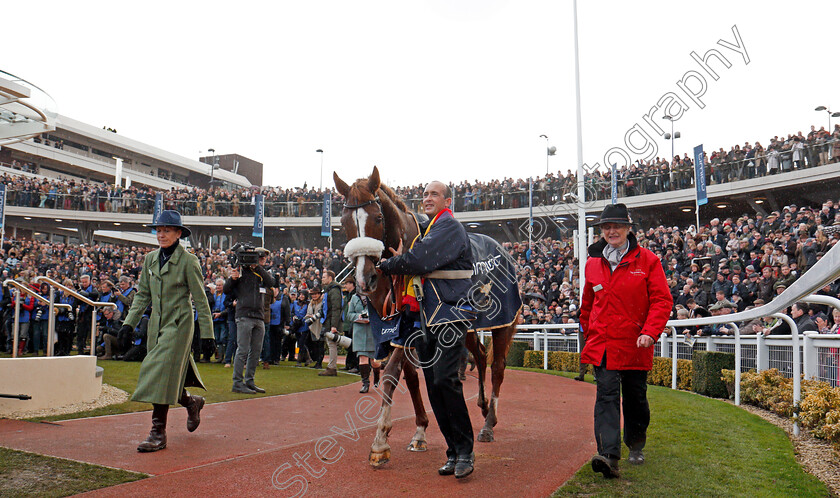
[[618, 306]]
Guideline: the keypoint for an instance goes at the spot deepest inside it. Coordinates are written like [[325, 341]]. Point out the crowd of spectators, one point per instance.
[[726, 266], [782, 154]]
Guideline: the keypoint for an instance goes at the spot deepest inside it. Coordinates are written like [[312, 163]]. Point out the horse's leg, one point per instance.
[[412, 380], [380, 451], [501, 343], [480, 355]]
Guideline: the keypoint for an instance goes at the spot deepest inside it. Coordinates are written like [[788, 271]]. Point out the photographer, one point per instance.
[[287, 347], [65, 321], [85, 316], [314, 314], [249, 283], [331, 319], [109, 333], [300, 328], [137, 351]]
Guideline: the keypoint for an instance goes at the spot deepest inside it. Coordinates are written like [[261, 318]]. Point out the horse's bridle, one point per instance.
[[363, 204], [392, 298]]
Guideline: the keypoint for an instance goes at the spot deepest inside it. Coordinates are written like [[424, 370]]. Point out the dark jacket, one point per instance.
[[250, 302], [445, 247], [332, 318]]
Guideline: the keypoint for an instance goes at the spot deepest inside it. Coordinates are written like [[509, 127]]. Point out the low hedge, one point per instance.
[[516, 353], [660, 374], [819, 408], [707, 379]]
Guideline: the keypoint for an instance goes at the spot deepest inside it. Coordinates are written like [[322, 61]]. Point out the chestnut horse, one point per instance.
[[375, 219]]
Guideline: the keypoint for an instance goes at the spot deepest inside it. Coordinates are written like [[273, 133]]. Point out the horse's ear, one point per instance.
[[342, 187], [373, 181]]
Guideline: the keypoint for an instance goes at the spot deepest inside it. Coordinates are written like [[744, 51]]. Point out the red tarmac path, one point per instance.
[[248, 447]]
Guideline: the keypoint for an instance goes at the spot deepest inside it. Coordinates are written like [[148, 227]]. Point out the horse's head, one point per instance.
[[363, 221]]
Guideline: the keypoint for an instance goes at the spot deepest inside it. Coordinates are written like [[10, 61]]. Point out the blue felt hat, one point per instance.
[[171, 218]]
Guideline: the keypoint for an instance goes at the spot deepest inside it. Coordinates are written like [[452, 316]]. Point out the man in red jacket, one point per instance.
[[625, 304]]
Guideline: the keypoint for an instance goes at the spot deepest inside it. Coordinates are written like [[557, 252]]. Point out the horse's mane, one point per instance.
[[398, 202]]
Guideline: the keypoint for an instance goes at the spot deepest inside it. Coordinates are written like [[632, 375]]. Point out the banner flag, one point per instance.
[[259, 214], [326, 216], [700, 175]]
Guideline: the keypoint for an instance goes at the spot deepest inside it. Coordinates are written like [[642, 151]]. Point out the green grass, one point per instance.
[[282, 379], [702, 447], [30, 474]]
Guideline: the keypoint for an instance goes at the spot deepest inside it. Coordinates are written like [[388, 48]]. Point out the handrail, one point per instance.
[[50, 319], [93, 304], [74, 293], [15, 283]]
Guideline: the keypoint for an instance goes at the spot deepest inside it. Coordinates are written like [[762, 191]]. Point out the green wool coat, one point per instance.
[[168, 366]]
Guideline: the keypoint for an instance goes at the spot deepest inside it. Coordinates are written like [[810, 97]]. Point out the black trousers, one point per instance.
[[275, 341], [287, 349], [611, 384], [352, 360], [446, 394], [316, 350], [83, 332]]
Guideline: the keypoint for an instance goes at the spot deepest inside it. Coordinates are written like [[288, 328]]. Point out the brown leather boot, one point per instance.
[[193, 404], [329, 372], [157, 436]]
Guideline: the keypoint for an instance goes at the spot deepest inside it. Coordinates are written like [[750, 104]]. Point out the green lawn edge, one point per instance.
[[699, 446], [30, 474]]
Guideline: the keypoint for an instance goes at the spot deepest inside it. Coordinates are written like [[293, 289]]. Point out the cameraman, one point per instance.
[[249, 284]]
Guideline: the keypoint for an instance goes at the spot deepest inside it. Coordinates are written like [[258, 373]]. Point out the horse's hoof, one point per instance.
[[417, 446], [486, 436], [377, 460]]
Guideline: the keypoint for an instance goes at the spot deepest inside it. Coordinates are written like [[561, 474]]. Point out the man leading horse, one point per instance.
[[443, 256]]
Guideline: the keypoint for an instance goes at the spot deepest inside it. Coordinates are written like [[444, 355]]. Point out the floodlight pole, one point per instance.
[[580, 180]]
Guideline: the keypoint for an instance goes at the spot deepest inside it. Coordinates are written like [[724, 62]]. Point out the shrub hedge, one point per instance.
[[660, 375], [819, 408], [707, 378], [516, 353]]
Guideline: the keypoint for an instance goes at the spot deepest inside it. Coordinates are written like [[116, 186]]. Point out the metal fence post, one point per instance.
[[51, 324], [762, 353], [16, 333], [536, 340], [674, 359], [737, 363], [809, 356], [92, 331], [545, 349], [797, 381]]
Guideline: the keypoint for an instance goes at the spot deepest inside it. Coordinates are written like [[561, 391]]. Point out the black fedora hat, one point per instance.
[[614, 213], [171, 218]]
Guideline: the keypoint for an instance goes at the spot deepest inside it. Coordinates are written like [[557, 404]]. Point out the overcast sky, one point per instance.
[[436, 89]]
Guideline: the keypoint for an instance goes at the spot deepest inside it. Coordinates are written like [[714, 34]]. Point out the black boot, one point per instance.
[[364, 371], [193, 404], [157, 436], [376, 376]]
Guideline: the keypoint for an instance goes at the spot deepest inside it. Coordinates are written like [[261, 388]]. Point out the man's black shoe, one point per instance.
[[636, 457], [448, 468], [254, 387], [606, 466], [242, 390], [464, 466]]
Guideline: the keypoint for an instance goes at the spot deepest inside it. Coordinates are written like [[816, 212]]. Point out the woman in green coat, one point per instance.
[[363, 343], [170, 281]]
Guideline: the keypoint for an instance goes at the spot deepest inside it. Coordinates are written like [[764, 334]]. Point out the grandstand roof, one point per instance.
[[135, 146]]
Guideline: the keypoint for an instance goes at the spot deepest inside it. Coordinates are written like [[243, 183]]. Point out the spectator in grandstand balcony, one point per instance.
[[171, 277], [621, 358], [721, 284]]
